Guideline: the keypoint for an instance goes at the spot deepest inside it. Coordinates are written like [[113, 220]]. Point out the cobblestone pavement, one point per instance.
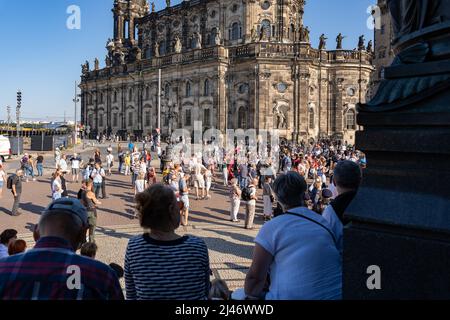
[[229, 243]]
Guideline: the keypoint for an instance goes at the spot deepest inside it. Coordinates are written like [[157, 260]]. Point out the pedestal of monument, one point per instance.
[[400, 218]]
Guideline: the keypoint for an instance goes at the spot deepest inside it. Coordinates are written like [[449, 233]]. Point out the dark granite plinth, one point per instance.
[[401, 215], [414, 265]]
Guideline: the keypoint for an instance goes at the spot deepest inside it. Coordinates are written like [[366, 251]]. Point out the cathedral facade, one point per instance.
[[236, 64]]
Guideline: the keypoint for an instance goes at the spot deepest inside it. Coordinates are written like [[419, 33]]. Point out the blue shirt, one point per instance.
[[43, 272], [307, 264]]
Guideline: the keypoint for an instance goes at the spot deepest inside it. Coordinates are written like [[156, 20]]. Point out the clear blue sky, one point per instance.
[[42, 57]]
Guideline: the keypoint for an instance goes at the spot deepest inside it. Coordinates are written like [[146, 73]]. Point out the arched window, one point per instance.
[[167, 91], [91, 120], [130, 118], [115, 96], [100, 119], [206, 89], [242, 118], [188, 89], [130, 95], [126, 29], [235, 31], [101, 98], [162, 48], [115, 120], [188, 118], [351, 119], [311, 119], [147, 118], [265, 27], [213, 36], [292, 32], [207, 117], [147, 93], [148, 53]]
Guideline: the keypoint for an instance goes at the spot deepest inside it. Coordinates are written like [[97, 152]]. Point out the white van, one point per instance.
[[5, 148]]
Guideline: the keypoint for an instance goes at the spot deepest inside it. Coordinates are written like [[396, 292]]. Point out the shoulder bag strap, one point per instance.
[[316, 222]]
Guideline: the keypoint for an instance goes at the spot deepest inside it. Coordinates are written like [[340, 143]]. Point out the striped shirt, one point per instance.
[[49, 272], [167, 270]]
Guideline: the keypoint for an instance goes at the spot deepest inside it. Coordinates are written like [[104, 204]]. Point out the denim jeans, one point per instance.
[[243, 182], [29, 171], [134, 176], [97, 189], [40, 169]]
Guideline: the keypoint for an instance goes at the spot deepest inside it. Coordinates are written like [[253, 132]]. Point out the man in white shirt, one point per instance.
[[76, 163], [97, 176], [63, 164], [109, 162]]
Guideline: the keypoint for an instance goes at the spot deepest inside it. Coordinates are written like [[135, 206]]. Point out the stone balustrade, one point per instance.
[[260, 50]]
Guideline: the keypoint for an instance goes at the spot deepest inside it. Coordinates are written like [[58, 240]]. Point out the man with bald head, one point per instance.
[[52, 270]]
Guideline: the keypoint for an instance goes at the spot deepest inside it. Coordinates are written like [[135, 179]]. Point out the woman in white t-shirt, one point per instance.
[[296, 253], [140, 184], [56, 186], [208, 183], [109, 162]]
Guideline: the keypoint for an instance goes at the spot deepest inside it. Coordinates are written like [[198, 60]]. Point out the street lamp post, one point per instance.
[[75, 101], [171, 114], [8, 110], [18, 107]]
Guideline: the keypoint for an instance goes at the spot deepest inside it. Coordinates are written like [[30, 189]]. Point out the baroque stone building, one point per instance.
[[245, 64], [383, 35]]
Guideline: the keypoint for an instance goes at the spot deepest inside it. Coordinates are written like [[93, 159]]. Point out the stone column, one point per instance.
[[303, 92], [221, 101], [323, 105], [339, 108], [120, 28]]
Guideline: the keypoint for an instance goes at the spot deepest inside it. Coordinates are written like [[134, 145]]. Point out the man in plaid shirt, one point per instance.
[[52, 270]]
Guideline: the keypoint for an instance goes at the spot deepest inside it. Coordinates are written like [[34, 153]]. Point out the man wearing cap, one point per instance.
[[52, 270]]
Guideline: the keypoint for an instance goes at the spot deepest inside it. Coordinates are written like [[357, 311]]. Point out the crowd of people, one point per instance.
[[298, 251]]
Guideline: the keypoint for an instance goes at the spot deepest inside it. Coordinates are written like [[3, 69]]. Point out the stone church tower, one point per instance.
[[232, 64]]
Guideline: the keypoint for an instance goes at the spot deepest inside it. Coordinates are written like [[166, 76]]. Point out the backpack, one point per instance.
[[246, 194], [9, 182]]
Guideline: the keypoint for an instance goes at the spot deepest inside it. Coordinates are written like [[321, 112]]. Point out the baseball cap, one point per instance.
[[72, 206]]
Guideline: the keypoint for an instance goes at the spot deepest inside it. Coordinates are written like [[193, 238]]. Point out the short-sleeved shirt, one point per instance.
[[167, 270], [63, 165], [243, 170], [17, 181], [252, 194], [43, 272], [97, 175], [75, 162], [183, 186], [307, 264]]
